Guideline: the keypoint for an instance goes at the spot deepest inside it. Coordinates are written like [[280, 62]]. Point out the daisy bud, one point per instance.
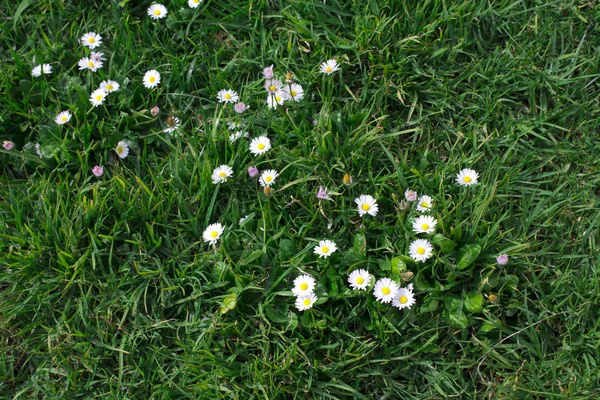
[[240, 107], [406, 276], [8, 145], [493, 298], [253, 172], [403, 205], [289, 78], [502, 259], [410, 195], [268, 72], [155, 111], [267, 190], [98, 170], [322, 194], [347, 180]]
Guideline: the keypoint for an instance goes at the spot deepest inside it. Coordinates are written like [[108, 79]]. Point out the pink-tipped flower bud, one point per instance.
[[502, 259], [253, 172], [240, 107], [98, 170], [155, 111], [268, 72], [8, 145]]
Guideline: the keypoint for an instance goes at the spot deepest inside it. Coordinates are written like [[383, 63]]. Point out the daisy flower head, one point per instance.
[[212, 233], [91, 40], [97, 56], [151, 79], [322, 194], [221, 173], [329, 67], [268, 72], [88, 63], [273, 85], [98, 170], [155, 111], [157, 11], [227, 96], [253, 172], [240, 107], [366, 205], [63, 117], [122, 149], [38, 70], [410, 195], [325, 248], [173, 123], [275, 99], [421, 250], [194, 3], [260, 145], [267, 178], [359, 279], [109, 86], [424, 224], [97, 97], [305, 301], [294, 92], [467, 177], [424, 204], [502, 259], [304, 284], [8, 145], [385, 289], [404, 298]]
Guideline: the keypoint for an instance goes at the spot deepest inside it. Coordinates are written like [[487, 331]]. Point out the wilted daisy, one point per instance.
[[155, 111], [91, 40], [322, 194], [267, 178], [305, 301], [273, 85], [366, 205], [213, 233], [404, 298], [38, 70], [98, 170], [260, 145], [238, 135], [268, 72], [151, 79], [97, 97], [221, 173], [96, 56], [304, 284], [424, 224], [8, 145], [325, 248], [273, 100], [467, 177], [233, 125], [410, 195], [385, 289], [109, 86], [359, 279], [294, 92], [421, 250], [329, 67], [88, 63], [157, 11], [173, 123], [63, 117], [194, 3], [424, 204], [122, 149], [227, 96]]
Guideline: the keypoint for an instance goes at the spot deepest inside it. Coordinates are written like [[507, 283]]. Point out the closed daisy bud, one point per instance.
[[8, 145], [410, 195], [268, 72], [347, 180], [267, 190], [493, 298], [240, 108], [155, 111], [289, 78], [502, 259], [253, 172], [322, 194], [98, 170]]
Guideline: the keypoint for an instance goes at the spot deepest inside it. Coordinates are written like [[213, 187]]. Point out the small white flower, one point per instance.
[[97, 97], [173, 123], [424, 204], [385, 289], [91, 40], [241, 221], [421, 250], [273, 85], [38, 150], [213, 233], [96, 56], [410, 195], [267, 178], [221, 173], [424, 224], [260, 145], [273, 100], [329, 67], [38, 70], [366, 205], [227, 96], [359, 279], [157, 11], [238, 135], [88, 63], [467, 177], [294, 92], [194, 3], [305, 301], [63, 117], [304, 284], [233, 125], [122, 149], [151, 79], [404, 298], [325, 248], [109, 86]]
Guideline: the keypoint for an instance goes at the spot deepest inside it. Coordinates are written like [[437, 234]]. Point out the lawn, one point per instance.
[[131, 269]]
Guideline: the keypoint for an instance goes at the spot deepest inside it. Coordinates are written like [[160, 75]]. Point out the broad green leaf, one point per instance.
[[229, 303], [473, 302], [452, 302], [398, 266], [251, 257], [467, 255], [276, 315], [445, 244], [457, 319]]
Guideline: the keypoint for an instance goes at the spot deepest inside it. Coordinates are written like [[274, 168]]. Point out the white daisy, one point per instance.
[[151, 79], [325, 248], [366, 205], [305, 301], [88, 63], [467, 177], [227, 96], [424, 224], [273, 85], [329, 67], [221, 173], [273, 100], [194, 3], [421, 250], [424, 204], [410, 195], [304, 284], [91, 40], [122, 149], [294, 92], [157, 11], [267, 178], [109, 86], [38, 70], [97, 97], [63, 117], [404, 298], [359, 279], [213, 233], [385, 289], [260, 145], [173, 123]]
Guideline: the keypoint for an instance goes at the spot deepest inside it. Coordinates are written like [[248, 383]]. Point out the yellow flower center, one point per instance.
[[269, 178], [64, 119], [90, 64], [119, 149], [157, 12], [360, 280], [403, 299], [325, 249], [152, 79], [91, 40], [196, 1], [425, 227], [467, 179], [214, 234], [272, 88], [227, 96], [307, 302], [222, 174], [366, 207], [261, 146], [304, 286], [421, 250], [329, 69], [293, 93], [424, 204], [386, 290], [99, 97], [109, 86], [278, 98]]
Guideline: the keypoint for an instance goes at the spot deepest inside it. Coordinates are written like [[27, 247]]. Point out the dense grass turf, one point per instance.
[[108, 291]]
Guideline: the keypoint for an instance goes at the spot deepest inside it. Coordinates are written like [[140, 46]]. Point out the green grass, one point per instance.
[[108, 291]]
